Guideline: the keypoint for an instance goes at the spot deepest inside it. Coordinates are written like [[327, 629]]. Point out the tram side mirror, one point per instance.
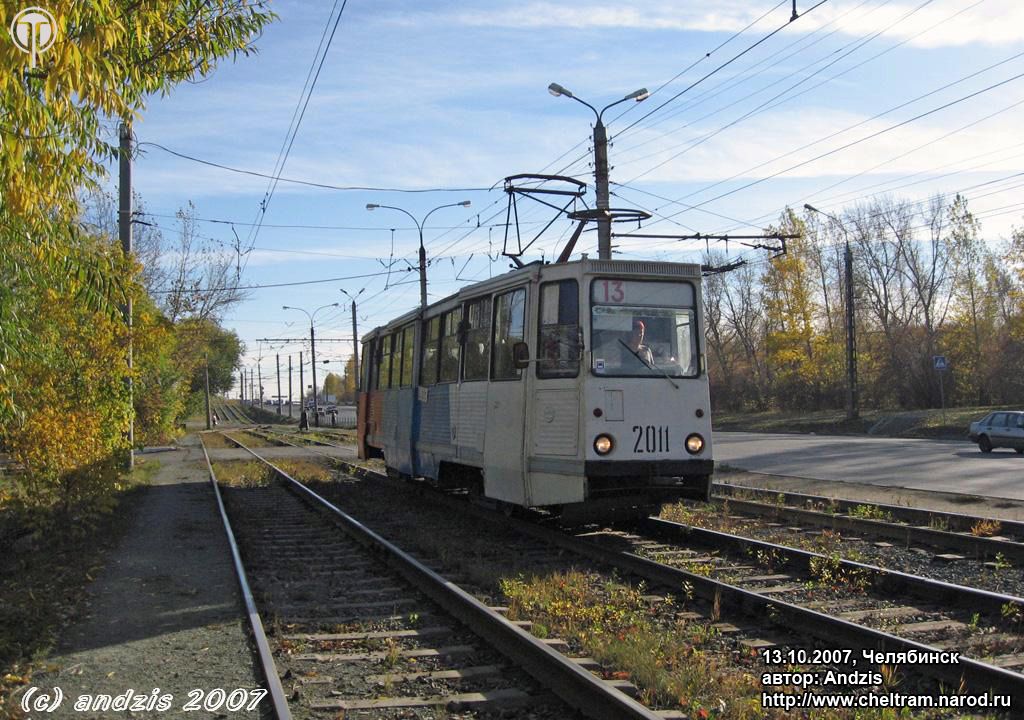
[[521, 355]]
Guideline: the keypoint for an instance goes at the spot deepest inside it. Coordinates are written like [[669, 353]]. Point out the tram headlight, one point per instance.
[[694, 443], [603, 444]]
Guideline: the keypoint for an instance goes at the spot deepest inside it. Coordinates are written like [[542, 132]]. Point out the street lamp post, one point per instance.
[[604, 224], [312, 348], [423, 251], [852, 404]]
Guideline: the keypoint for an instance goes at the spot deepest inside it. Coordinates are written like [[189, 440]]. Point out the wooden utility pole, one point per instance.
[[278, 356], [241, 380], [259, 379], [124, 231]]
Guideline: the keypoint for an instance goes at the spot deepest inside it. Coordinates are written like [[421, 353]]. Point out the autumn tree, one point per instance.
[[63, 400], [56, 123], [349, 380], [797, 353], [333, 385]]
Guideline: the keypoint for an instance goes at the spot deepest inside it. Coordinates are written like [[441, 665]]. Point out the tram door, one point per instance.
[[506, 400], [555, 470]]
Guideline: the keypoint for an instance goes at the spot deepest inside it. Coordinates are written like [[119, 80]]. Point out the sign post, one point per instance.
[[940, 364]]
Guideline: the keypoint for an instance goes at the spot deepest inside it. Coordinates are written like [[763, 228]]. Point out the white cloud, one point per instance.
[[995, 22]]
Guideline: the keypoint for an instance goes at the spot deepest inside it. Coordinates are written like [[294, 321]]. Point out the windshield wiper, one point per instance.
[[648, 365]]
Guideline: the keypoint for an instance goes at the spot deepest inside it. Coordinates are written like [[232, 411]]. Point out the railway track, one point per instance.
[[361, 626], [975, 535], [764, 579]]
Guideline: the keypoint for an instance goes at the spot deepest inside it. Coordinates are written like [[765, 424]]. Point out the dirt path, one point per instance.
[[165, 611]]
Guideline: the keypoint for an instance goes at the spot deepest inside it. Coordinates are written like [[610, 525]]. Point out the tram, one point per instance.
[[580, 387]]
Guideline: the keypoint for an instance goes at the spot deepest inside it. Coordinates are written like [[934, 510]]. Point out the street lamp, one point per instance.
[[423, 251], [852, 410], [312, 347], [604, 225]]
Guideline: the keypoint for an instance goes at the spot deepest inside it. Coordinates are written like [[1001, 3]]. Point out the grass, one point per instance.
[[305, 470], [242, 473], [929, 423], [250, 440], [613, 624], [216, 441]]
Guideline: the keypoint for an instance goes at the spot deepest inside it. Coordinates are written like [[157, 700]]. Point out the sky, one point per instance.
[[434, 103]]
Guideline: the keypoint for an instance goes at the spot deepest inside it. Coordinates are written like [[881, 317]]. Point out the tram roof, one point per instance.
[[655, 268]]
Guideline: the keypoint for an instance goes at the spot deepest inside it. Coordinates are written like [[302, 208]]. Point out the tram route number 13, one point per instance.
[[650, 438], [614, 291]]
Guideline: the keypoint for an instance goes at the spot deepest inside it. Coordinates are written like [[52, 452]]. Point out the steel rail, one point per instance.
[[975, 673], [277, 696], [883, 579], [976, 545], [567, 679], [959, 521]]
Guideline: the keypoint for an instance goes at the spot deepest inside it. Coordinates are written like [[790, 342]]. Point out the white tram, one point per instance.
[[574, 386]]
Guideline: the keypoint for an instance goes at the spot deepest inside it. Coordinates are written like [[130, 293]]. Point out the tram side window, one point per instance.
[[509, 328], [449, 371], [407, 345], [431, 351], [383, 363], [388, 374], [559, 341], [367, 368], [476, 351]]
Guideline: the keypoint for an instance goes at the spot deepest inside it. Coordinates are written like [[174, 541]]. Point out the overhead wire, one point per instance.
[[771, 102], [854, 143]]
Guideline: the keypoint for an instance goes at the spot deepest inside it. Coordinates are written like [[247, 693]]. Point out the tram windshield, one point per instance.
[[642, 328]]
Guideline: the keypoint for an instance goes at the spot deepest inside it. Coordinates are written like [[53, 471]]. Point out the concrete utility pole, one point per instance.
[[124, 231], [312, 344], [259, 378], [206, 376], [312, 349], [355, 347], [355, 335], [423, 250], [278, 383], [604, 223], [289, 386], [302, 393], [852, 400]]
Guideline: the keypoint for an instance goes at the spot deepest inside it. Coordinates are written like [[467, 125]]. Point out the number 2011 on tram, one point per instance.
[[571, 386]]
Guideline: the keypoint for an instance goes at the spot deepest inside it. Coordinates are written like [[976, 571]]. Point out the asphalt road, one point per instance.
[[947, 466]]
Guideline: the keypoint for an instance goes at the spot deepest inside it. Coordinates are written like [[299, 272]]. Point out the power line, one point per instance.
[[721, 67], [780, 98], [277, 285], [309, 183], [702, 58], [853, 143], [294, 130]]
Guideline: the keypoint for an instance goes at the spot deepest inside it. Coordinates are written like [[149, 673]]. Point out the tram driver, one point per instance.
[[635, 350]]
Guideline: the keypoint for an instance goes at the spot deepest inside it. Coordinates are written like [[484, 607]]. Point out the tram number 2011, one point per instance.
[[650, 438]]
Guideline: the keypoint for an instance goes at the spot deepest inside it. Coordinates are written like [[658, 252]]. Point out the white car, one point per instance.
[[1003, 429]]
